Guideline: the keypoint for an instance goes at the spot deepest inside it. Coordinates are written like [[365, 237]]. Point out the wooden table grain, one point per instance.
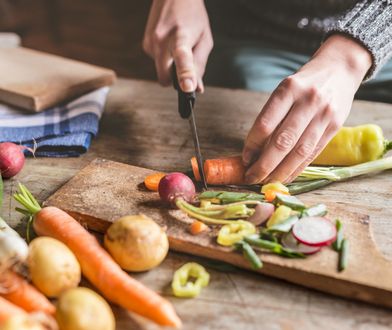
[[141, 127]]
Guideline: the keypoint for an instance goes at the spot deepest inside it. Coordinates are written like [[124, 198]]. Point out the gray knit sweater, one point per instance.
[[303, 24]]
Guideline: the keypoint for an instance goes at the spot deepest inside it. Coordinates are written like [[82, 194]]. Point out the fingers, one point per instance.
[[186, 72], [284, 140], [201, 52], [327, 136], [276, 108], [303, 153]]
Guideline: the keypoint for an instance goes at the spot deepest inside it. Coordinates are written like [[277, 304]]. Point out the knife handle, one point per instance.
[[184, 99]]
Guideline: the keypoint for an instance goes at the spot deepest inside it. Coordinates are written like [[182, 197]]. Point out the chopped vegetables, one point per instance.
[[291, 201], [226, 197], [337, 245], [275, 186], [354, 145], [250, 254], [314, 231], [263, 212], [281, 214], [285, 226], [152, 181], [343, 255], [291, 243], [233, 233], [197, 227], [318, 210], [189, 279]]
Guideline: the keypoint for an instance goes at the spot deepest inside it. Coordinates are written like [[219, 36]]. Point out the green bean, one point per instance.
[[343, 255], [250, 255], [337, 245]]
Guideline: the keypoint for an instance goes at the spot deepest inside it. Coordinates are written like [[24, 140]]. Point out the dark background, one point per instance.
[[102, 32]]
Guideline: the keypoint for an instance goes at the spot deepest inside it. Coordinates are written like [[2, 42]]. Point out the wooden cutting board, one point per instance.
[[105, 190], [35, 80]]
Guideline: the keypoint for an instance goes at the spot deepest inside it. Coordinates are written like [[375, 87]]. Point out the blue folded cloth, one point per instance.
[[62, 131]]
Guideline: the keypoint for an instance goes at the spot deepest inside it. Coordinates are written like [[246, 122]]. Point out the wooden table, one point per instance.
[[141, 127]]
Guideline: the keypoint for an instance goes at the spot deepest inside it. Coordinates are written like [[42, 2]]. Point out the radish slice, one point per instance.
[[291, 243], [314, 231]]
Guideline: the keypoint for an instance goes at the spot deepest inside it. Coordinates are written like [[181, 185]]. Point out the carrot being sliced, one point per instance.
[[152, 181], [222, 171], [18, 291], [97, 265], [8, 309]]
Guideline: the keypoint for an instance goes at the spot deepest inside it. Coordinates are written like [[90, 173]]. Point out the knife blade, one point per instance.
[[186, 102]]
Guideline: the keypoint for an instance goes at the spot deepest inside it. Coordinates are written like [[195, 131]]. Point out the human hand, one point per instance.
[[305, 112], [179, 31]]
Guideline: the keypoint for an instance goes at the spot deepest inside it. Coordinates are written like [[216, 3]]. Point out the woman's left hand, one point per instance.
[[305, 111]]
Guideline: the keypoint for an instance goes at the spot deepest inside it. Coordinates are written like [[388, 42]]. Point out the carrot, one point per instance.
[[197, 227], [222, 171], [18, 291], [97, 265], [152, 181], [270, 195], [8, 309]]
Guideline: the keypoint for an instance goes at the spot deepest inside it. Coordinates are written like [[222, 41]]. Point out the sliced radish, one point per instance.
[[314, 231], [291, 243]]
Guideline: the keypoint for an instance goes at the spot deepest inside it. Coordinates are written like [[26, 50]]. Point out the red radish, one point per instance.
[[11, 159], [176, 185], [314, 231], [291, 243], [263, 212]]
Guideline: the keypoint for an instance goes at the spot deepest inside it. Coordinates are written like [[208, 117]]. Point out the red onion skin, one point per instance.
[[263, 212], [12, 159], [176, 185]]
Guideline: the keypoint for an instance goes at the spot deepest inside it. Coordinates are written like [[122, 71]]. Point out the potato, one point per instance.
[[21, 322], [137, 243], [53, 267], [83, 309]]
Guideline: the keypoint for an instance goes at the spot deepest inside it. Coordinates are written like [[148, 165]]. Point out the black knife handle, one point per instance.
[[184, 99]]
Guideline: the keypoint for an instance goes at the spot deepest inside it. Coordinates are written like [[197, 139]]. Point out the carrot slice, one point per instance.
[[152, 181], [222, 171], [270, 195], [195, 169], [197, 227], [18, 291]]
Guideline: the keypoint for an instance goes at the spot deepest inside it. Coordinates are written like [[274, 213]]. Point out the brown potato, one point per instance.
[[53, 267], [21, 322], [83, 309], [137, 243]]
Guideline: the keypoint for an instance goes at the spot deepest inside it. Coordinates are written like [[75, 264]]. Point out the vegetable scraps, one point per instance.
[[189, 279], [293, 230], [116, 285]]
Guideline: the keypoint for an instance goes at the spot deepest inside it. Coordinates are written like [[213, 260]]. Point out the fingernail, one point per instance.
[[187, 85], [247, 158], [251, 179]]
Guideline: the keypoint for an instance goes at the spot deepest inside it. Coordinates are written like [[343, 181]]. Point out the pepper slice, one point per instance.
[[234, 232], [183, 285]]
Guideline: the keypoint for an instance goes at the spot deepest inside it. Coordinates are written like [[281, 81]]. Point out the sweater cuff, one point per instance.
[[370, 23]]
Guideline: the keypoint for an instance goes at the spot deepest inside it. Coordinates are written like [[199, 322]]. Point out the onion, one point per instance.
[[176, 185], [263, 212], [11, 159]]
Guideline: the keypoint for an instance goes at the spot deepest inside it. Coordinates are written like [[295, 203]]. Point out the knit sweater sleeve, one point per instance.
[[370, 23]]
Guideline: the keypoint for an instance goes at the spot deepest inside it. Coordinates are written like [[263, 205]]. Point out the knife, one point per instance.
[[186, 103]]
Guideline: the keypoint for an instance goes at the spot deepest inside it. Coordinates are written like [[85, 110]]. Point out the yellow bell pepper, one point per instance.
[[234, 232], [282, 213], [354, 145]]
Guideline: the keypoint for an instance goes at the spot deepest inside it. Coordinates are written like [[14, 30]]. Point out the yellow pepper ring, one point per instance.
[[182, 284], [232, 233]]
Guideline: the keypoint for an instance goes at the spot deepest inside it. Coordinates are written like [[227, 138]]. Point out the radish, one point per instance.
[[314, 231], [291, 243], [176, 185], [11, 159]]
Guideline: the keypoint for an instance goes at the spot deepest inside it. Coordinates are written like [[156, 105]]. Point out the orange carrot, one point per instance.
[[97, 265], [222, 171], [197, 227], [8, 309], [270, 195], [152, 181], [18, 291]]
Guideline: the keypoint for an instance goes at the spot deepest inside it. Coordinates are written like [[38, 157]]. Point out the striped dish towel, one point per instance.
[[62, 131]]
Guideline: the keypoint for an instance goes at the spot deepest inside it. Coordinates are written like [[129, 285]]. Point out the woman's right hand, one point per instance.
[[179, 31]]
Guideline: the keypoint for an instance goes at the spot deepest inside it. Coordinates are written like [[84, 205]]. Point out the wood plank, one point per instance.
[[105, 191]]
